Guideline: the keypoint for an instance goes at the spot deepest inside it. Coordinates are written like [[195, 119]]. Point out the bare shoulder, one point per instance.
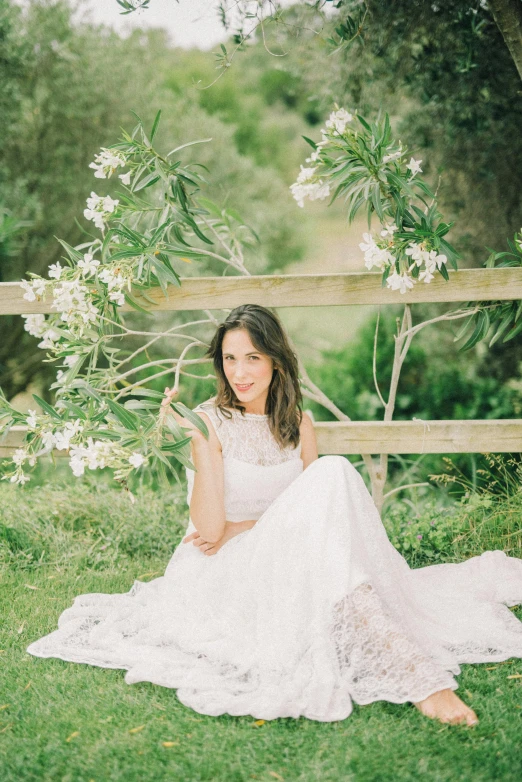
[[308, 440], [306, 427], [212, 436]]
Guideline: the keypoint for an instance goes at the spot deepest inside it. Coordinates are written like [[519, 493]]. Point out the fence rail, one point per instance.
[[302, 290], [398, 437], [309, 290]]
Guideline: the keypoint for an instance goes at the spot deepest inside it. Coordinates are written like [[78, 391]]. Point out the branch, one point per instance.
[[508, 17], [405, 486], [375, 359]]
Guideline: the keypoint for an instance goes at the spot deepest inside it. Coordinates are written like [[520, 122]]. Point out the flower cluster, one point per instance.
[[39, 327], [94, 454], [383, 255], [99, 208], [115, 280], [337, 122], [98, 454], [309, 186], [73, 301], [106, 163]]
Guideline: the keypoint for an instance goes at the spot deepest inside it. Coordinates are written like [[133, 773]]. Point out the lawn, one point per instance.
[[75, 723]]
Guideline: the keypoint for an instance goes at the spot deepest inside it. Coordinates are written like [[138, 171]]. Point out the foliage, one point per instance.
[[65, 91], [365, 166], [436, 382], [496, 318], [94, 528]]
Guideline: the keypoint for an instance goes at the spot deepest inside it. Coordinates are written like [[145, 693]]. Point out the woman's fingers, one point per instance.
[[190, 537], [170, 393]]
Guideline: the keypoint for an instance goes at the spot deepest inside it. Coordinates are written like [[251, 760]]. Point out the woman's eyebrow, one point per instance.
[[253, 353]]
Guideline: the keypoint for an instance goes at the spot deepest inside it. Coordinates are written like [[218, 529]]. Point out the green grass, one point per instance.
[[73, 722]]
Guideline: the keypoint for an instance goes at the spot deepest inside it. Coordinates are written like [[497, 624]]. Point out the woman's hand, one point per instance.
[[193, 432], [209, 548]]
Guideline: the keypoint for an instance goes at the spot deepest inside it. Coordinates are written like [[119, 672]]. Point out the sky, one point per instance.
[[189, 22]]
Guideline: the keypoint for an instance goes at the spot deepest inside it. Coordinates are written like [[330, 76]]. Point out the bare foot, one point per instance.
[[447, 707]]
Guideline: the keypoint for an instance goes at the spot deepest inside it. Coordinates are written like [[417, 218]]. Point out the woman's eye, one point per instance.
[[254, 357]]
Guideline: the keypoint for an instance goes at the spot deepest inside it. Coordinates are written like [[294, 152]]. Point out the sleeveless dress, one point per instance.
[[309, 611]]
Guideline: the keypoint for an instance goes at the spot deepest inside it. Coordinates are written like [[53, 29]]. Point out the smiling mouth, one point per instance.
[[244, 387]]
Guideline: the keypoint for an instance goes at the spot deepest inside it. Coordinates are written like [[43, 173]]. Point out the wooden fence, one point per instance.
[[312, 290]]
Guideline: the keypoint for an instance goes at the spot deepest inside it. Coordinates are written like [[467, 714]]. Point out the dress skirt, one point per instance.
[[311, 610]]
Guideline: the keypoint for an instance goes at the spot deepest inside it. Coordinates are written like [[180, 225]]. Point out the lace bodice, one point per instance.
[[256, 468], [247, 437]]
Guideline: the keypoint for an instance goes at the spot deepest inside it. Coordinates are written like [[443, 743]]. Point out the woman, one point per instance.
[[286, 598]]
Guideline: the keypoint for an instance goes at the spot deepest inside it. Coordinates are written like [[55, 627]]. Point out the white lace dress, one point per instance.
[[311, 610]]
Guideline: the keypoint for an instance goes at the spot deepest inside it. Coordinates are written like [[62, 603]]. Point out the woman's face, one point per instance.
[[248, 371]]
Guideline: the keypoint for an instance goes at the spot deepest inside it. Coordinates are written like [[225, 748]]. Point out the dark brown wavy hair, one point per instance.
[[284, 400]]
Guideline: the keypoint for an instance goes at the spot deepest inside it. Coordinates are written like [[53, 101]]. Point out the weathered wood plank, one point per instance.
[[398, 437], [412, 437], [304, 290]]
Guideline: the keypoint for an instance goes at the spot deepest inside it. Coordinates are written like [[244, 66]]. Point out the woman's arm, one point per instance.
[[207, 504], [232, 528], [308, 441]]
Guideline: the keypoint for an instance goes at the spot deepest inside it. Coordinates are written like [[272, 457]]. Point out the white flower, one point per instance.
[[338, 121], [434, 260], [70, 299], [76, 463], [63, 439], [389, 229], [414, 166], [88, 265], [55, 270], [20, 478], [106, 163], [393, 155], [305, 175], [32, 420], [375, 255], [98, 209], [35, 324], [48, 440], [125, 178], [369, 243], [400, 282], [426, 276], [20, 456], [50, 336], [109, 204], [305, 188], [137, 459], [33, 289], [416, 253], [118, 297], [70, 361]]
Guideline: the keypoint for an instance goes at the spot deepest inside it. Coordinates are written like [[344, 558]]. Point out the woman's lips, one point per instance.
[[244, 388]]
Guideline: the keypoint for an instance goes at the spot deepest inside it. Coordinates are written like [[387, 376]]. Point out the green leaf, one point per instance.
[[47, 407], [309, 141], [155, 125], [189, 144], [126, 418], [136, 404], [134, 304], [444, 272], [147, 392], [147, 181], [78, 412], [514, 331], [194, 418]]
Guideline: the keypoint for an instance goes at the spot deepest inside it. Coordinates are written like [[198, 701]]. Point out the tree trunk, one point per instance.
[[508, 17]]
